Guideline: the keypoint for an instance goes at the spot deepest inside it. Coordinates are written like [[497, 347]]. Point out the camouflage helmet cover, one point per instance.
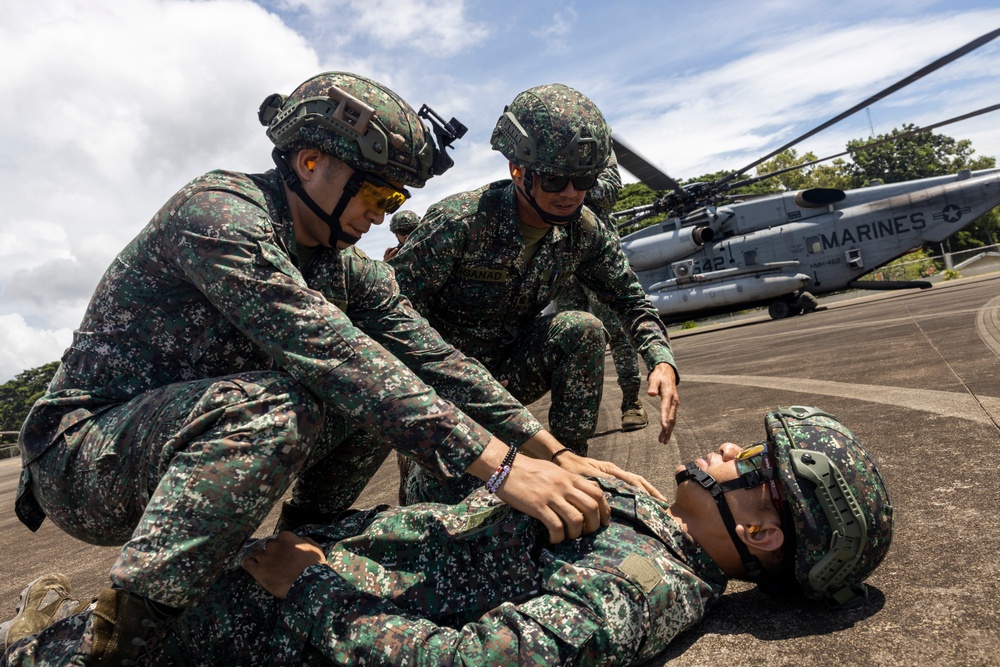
[[833, 554], [554, 129], [355, 119], [404, 222]]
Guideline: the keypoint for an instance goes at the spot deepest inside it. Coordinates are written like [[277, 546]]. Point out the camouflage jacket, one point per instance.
[[211, 286], [462, 269], [401, 585]]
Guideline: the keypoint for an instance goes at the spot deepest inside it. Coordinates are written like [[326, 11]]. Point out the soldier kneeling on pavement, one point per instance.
[[483, 265], [804, 511]]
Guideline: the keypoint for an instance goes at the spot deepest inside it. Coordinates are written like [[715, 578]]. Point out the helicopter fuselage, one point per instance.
[[772, 248]]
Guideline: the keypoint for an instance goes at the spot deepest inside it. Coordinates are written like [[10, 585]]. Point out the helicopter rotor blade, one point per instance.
[[937, 64], [870, 144], [643, 169]]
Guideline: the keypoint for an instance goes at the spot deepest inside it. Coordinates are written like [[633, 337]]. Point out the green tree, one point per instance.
[[18, 395], [918, 156], [832, 175]]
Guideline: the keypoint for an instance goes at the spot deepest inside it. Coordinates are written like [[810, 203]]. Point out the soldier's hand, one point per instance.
[[663, 383], [276, 562], [588, 467], [390, 253], [568, 504]]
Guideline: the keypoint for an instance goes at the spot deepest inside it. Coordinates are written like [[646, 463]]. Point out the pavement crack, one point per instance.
[[988, 327]]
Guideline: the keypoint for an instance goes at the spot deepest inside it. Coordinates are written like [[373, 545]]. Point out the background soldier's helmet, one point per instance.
[[836, 502], [356, 120], [553, 129], [404, 222]]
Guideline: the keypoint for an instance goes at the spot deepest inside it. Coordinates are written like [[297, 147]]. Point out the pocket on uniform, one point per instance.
[[572, 624]]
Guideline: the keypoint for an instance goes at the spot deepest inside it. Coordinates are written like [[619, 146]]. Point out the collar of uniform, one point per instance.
[[281, 214]]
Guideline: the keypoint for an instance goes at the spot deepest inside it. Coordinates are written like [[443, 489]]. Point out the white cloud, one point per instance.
[[557, 30], [23, 347], [728, 116], [439, 27], [110, 107]]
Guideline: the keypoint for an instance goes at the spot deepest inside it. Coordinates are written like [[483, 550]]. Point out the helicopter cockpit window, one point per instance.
[[750, 257], [814, 245]]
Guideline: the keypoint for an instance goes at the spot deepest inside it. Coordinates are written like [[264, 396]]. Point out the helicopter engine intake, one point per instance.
[[655, 250]]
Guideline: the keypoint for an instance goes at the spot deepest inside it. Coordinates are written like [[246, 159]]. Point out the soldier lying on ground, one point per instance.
[[239, 342], [805, 510]]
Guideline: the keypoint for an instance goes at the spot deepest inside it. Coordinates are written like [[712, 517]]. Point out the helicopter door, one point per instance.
[[854, 260]]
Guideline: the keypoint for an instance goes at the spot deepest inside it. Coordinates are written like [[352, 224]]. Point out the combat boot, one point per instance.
[[634, 416], [42, 602], [293, 516], [125, 627]]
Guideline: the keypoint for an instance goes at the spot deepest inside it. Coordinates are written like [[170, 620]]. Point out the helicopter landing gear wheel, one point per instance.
[[779, 310]]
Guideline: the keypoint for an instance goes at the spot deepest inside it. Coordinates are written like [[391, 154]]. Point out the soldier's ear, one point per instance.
[[516, 172], [306, 161], [766, 536]]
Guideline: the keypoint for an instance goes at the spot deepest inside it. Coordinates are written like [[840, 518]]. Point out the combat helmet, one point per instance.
[[556, 131], [836, 500], [365, 125], [834, 505], [356, 120], [553, 129], [404, 222]]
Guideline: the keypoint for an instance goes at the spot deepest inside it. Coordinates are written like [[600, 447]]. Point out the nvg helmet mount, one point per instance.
[[363, 124], [553, 130], [837, 516]]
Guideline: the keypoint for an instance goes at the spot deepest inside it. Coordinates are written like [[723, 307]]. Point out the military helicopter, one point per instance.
[[716, 253]]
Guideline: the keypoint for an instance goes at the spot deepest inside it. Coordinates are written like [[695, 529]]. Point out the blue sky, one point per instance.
[[111, 106]]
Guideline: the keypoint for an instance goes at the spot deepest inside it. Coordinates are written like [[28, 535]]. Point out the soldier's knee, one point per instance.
[[282, 396], [580, 326]]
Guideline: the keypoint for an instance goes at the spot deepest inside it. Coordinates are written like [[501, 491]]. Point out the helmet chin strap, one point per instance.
[[559, 220], [331, 219], [748, 480]]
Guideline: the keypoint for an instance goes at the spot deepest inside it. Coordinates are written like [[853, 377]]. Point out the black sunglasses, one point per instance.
[[553, 183]]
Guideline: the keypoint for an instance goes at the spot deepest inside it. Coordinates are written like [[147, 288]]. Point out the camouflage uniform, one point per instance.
[[474, 584], [601, 199], [463, 270], [209, 369]]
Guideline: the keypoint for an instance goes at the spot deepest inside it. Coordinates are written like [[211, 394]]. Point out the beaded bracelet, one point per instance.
[[500, 475]]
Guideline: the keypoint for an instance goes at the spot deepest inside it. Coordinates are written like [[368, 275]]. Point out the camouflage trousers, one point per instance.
[[472, 584], [183, 474], [562, 353], [577, 297]]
